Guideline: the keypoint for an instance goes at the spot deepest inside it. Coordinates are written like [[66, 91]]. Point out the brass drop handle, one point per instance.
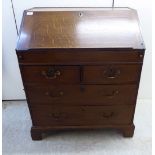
[[57, 116], [115, 92], [112, 73], [54, 94], [51, 73], [108, 115], [111, 77]]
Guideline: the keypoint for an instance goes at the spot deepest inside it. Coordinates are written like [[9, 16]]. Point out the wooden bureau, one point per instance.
[[80, 68]]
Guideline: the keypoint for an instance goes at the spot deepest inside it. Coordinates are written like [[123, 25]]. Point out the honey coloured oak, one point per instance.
[[80, 68]]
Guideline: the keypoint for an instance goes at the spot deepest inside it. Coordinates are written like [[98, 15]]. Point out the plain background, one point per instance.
[[12, 83]]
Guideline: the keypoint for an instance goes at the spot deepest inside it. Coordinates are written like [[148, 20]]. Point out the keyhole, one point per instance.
[[80, 14]]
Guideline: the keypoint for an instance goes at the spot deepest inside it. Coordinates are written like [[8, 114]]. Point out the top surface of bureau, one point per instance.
[[100, 28]]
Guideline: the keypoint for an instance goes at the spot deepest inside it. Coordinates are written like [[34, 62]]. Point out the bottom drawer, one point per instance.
[[82, 115]]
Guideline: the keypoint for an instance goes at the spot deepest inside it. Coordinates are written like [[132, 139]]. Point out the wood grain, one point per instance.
[[80, 68], [82, 115], [106, 28], [62, 95]]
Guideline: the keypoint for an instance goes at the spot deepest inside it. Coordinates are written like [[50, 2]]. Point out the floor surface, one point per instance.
[[17, 140]]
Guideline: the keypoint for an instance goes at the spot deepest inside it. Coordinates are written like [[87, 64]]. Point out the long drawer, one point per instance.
[[79, 56], [81, 94], [82, 115]]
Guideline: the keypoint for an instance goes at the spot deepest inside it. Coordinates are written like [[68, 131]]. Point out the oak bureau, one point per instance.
[[80, 68]]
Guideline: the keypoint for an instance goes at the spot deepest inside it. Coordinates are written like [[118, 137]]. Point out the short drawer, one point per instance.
[[82, 94], [82, 115], [50, 74], [112, 74]]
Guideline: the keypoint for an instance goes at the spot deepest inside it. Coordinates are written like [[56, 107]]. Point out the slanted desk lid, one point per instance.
[[79, 28]]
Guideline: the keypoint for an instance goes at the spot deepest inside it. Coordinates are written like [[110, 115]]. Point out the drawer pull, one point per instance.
[[57, 116], [112, 73], [115, 92], [55, 94], [51, 73], [108, 115]]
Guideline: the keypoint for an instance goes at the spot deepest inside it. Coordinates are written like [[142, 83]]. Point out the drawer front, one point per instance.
[[82, 95], [50, 74], [78, 56], [111, 74], [82, 115]]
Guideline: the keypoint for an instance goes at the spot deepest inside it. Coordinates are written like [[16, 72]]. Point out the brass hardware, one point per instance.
[[52, 73], [112, 73], [54, 94], [115, 92], [105, 115], [57, 116]]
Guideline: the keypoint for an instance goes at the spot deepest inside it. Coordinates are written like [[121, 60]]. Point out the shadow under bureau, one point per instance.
[[80, 68]]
